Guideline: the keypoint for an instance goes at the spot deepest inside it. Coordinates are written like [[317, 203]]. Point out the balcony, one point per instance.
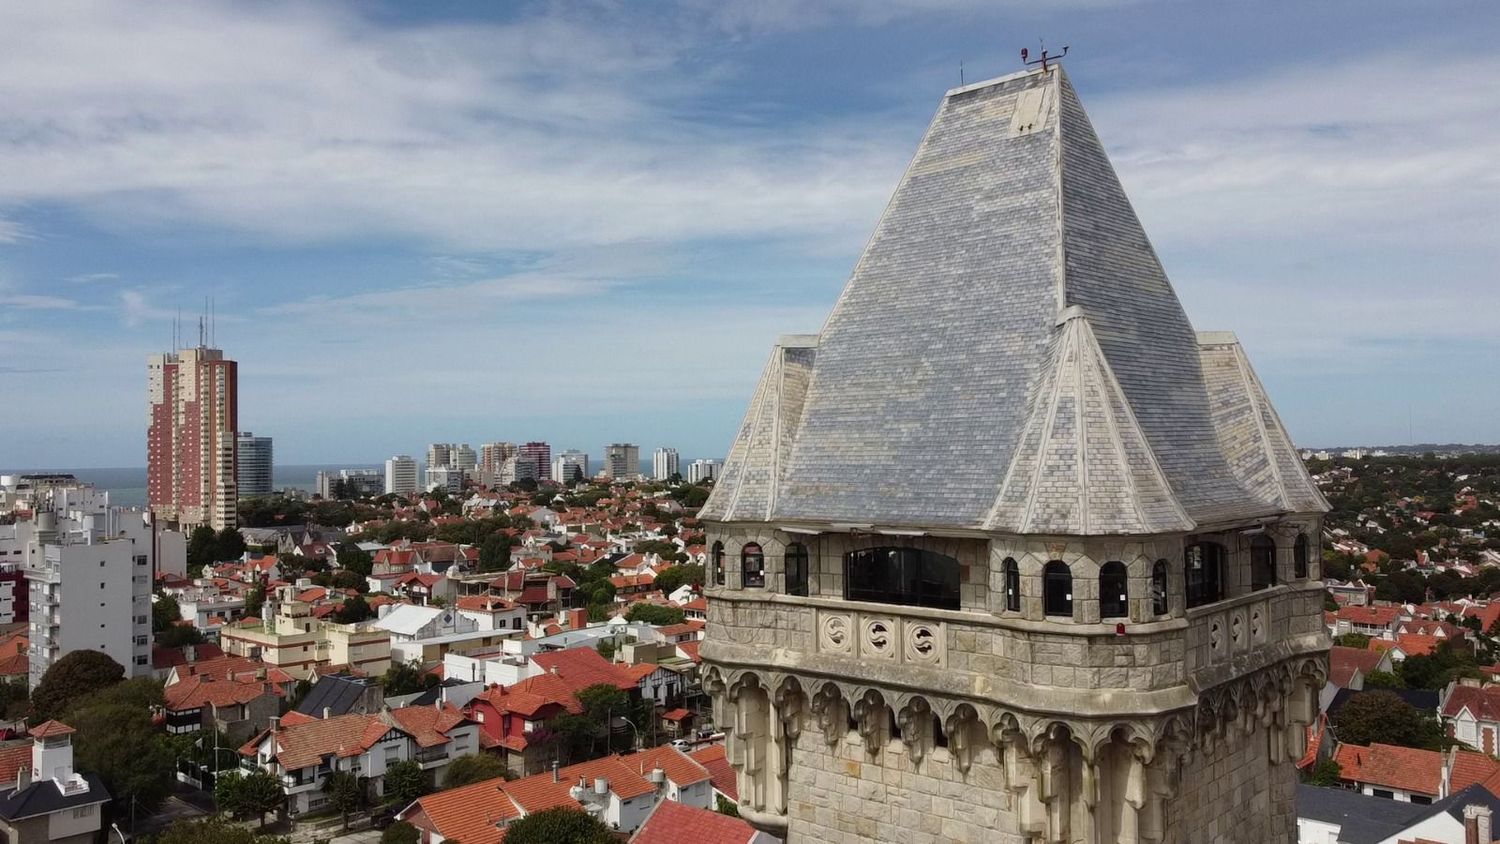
[[967, 654]]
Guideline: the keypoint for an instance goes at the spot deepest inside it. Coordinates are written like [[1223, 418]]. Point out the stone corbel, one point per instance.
[[872, 721], [828, 711], [960, 731], [915, 721], [1022, 779]]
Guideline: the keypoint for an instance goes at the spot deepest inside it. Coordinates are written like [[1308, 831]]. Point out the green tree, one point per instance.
[[71, 679], [213, 830], [354, 609], [1380, 716], [654, 614], [494, 554], [724, 806], [476, 767], [1437, 669], [165, 613], [560, 825], [255, 599], [345, 794], [202, 548], [15, 699], [1352, 640], [355, 559], [1326, 773], [401, 832], [1384, 680], [116, 740], [179, 635], [669, 581], [403, 678], [405, 781], [229, 544]]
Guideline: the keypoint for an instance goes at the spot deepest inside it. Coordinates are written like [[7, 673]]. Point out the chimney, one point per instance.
[[556, 771], [1477, 824], [23, 778], [190, 653], [275, 723], [327, 712], [601, 786]]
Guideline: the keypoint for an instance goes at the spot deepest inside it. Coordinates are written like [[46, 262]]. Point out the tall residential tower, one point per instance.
[[191, 434], [1009, 552], [664, 464]]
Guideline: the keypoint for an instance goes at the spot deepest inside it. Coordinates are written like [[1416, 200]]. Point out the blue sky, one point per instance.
[[587, 222]]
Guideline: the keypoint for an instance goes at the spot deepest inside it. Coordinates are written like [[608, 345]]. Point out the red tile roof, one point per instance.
[[428, 725], [468, 814], [51, 729], [1482, 703], [198, 692], [1389, 766], [676, 823], [1342, 663], [719, 769], [1381, 616], [13, 757], [1469, 768], [583, 667]]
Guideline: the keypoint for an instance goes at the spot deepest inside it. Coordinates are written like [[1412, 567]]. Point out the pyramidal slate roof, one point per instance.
[[1008, 355]]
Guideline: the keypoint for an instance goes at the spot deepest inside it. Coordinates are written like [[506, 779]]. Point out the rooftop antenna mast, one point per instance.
[[1028, 61]]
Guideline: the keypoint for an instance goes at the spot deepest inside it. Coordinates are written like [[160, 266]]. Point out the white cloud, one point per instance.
[[298, 123], [11, 231]]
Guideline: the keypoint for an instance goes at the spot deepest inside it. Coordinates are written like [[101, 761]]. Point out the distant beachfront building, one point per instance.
[[569, 463], [401, 475], [534, 461], [664, 463], [253, 472], [622, 460], [701, 470]]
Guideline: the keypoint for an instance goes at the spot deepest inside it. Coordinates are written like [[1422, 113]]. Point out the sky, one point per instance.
[[588, 222]]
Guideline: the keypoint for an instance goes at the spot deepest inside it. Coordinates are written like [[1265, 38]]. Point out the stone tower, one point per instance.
[[1008, 552]]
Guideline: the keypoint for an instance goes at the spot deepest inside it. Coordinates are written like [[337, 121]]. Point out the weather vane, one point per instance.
[[1028, 61]]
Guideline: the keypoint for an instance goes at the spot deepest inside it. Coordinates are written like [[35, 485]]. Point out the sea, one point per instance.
[[127, 485]]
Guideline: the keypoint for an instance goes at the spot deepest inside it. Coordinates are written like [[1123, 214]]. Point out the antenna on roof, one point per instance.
[[1027, 61], [960, 73]]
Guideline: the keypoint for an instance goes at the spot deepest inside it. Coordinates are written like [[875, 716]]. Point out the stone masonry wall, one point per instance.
[[842, 795], [1233, 795]]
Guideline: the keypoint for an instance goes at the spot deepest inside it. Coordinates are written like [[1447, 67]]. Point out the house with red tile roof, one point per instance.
[[677, 823], [1410, 774], [714, 759], [302, 750], [1471, 714], [631, 790], [1378, 621], [237, 705]]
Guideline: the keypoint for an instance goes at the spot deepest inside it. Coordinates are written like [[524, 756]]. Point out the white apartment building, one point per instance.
[[449, 478], [622, 460], [438, 453], [401, 475], [88, 585], [664, 463], [701, 470], [564, 464], [461, 456]]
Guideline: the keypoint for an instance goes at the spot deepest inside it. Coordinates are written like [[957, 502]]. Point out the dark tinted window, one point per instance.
[[1262, 562], [1012, 586], [796, 569], [1299, 556], [1057, 589], [1113, 600], [907, 576], [718, 555], [1159, 587], [1203, 573], [752, 566]]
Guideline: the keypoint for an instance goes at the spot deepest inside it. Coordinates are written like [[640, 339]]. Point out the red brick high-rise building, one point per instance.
[[190, 437]]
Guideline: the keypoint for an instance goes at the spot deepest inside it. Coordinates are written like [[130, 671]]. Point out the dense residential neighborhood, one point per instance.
[[533, 635]]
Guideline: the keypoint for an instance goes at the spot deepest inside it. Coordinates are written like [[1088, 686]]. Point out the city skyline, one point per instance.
[[1298, 198]]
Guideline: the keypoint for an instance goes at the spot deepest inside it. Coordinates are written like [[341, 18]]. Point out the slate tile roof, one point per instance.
[[1008, 354]]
